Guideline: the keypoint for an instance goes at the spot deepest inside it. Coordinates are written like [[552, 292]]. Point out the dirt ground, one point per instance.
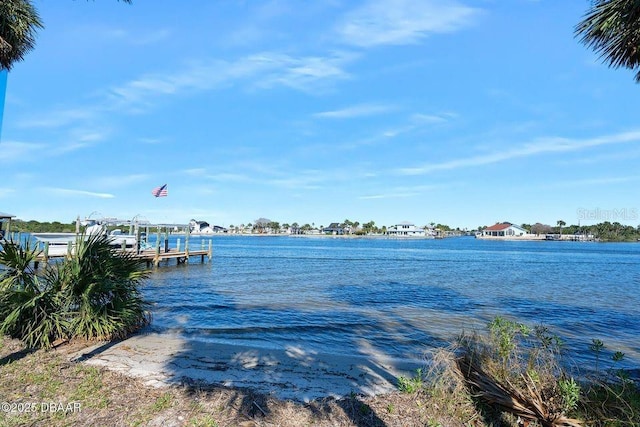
[[44, 388]]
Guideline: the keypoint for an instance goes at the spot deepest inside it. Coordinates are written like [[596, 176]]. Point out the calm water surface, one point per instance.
[[400, 297]]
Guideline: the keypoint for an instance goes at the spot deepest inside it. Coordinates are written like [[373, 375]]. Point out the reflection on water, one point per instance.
[[400, 297]]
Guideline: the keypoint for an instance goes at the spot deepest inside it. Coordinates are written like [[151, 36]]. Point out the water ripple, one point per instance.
[[400, 296]]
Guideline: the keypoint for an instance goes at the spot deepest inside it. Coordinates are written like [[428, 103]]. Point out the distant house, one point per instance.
[[201, 227], [504, 229], [405, 229], [334, 228]]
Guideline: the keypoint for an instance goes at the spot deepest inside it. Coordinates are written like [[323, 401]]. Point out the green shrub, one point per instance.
[[411, 385], [93, 294], [516, 368], [570, 393]]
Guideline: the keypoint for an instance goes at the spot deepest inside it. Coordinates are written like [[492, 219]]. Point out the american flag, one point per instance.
[[161, 191]]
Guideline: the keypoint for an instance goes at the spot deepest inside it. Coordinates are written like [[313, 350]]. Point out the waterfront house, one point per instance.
[[201, 227], [334, 228], [219, 229], [405, 229], [504, 229]]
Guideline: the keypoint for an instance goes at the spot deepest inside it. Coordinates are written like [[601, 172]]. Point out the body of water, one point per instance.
[[400, 297]]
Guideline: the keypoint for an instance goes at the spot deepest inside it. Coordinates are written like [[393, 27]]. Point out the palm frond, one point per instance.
[[94, 294], [19, 23], [612, 29]]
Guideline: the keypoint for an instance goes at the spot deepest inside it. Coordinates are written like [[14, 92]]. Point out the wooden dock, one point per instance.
[[152, 257]]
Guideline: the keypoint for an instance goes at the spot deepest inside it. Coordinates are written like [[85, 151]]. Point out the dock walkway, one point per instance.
[[153, 256]]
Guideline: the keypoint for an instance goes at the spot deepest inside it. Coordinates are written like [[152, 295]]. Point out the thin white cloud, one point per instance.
[[623, 155], [295, 184], [418, 121], [419, 118], [219, 176], [264, 70], [389, 196], [311, 179], [120, 180], [151, 37], [361, 110], [138, 37], [72, 192], [259, 71], [403, 192], [57, 118], [80, 139], [541, 146], [306, 74], [593, 181], [198, 172], [19, 151], [400, 22], [230, 177], [6, 191], [151, 141]]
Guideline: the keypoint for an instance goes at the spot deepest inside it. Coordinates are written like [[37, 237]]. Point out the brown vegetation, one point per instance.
[[465, 386], [109, 398]]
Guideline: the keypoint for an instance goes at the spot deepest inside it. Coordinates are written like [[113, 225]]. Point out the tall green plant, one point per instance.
[[30, 308], [93, 295], [519, 371], [100, 285], [504, 333]]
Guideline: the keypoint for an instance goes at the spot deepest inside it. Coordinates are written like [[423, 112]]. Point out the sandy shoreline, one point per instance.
[[288, 373]]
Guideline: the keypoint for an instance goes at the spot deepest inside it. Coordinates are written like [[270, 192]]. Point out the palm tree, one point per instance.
[[100, 285], [93, 295], [29, 307], [561, 224], [612, 29], [19, 22]]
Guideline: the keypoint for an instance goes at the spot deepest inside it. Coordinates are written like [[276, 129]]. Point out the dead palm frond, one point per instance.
[[529, 403]]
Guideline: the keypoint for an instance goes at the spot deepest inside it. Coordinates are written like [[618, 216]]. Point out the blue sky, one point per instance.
[[458, 112]]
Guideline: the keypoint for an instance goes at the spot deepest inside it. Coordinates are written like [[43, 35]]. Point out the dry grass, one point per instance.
[[518, 371], [108, 398], [103, 397], [527, 400]]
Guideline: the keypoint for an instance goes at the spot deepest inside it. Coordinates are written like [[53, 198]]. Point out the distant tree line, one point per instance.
[[264, 225], [42, 227], [605, 231]]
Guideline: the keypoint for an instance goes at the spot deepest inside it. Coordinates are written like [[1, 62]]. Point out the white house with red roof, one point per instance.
[[504, 229]]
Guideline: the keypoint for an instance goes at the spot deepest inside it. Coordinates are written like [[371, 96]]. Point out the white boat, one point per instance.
[[60, 244]]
